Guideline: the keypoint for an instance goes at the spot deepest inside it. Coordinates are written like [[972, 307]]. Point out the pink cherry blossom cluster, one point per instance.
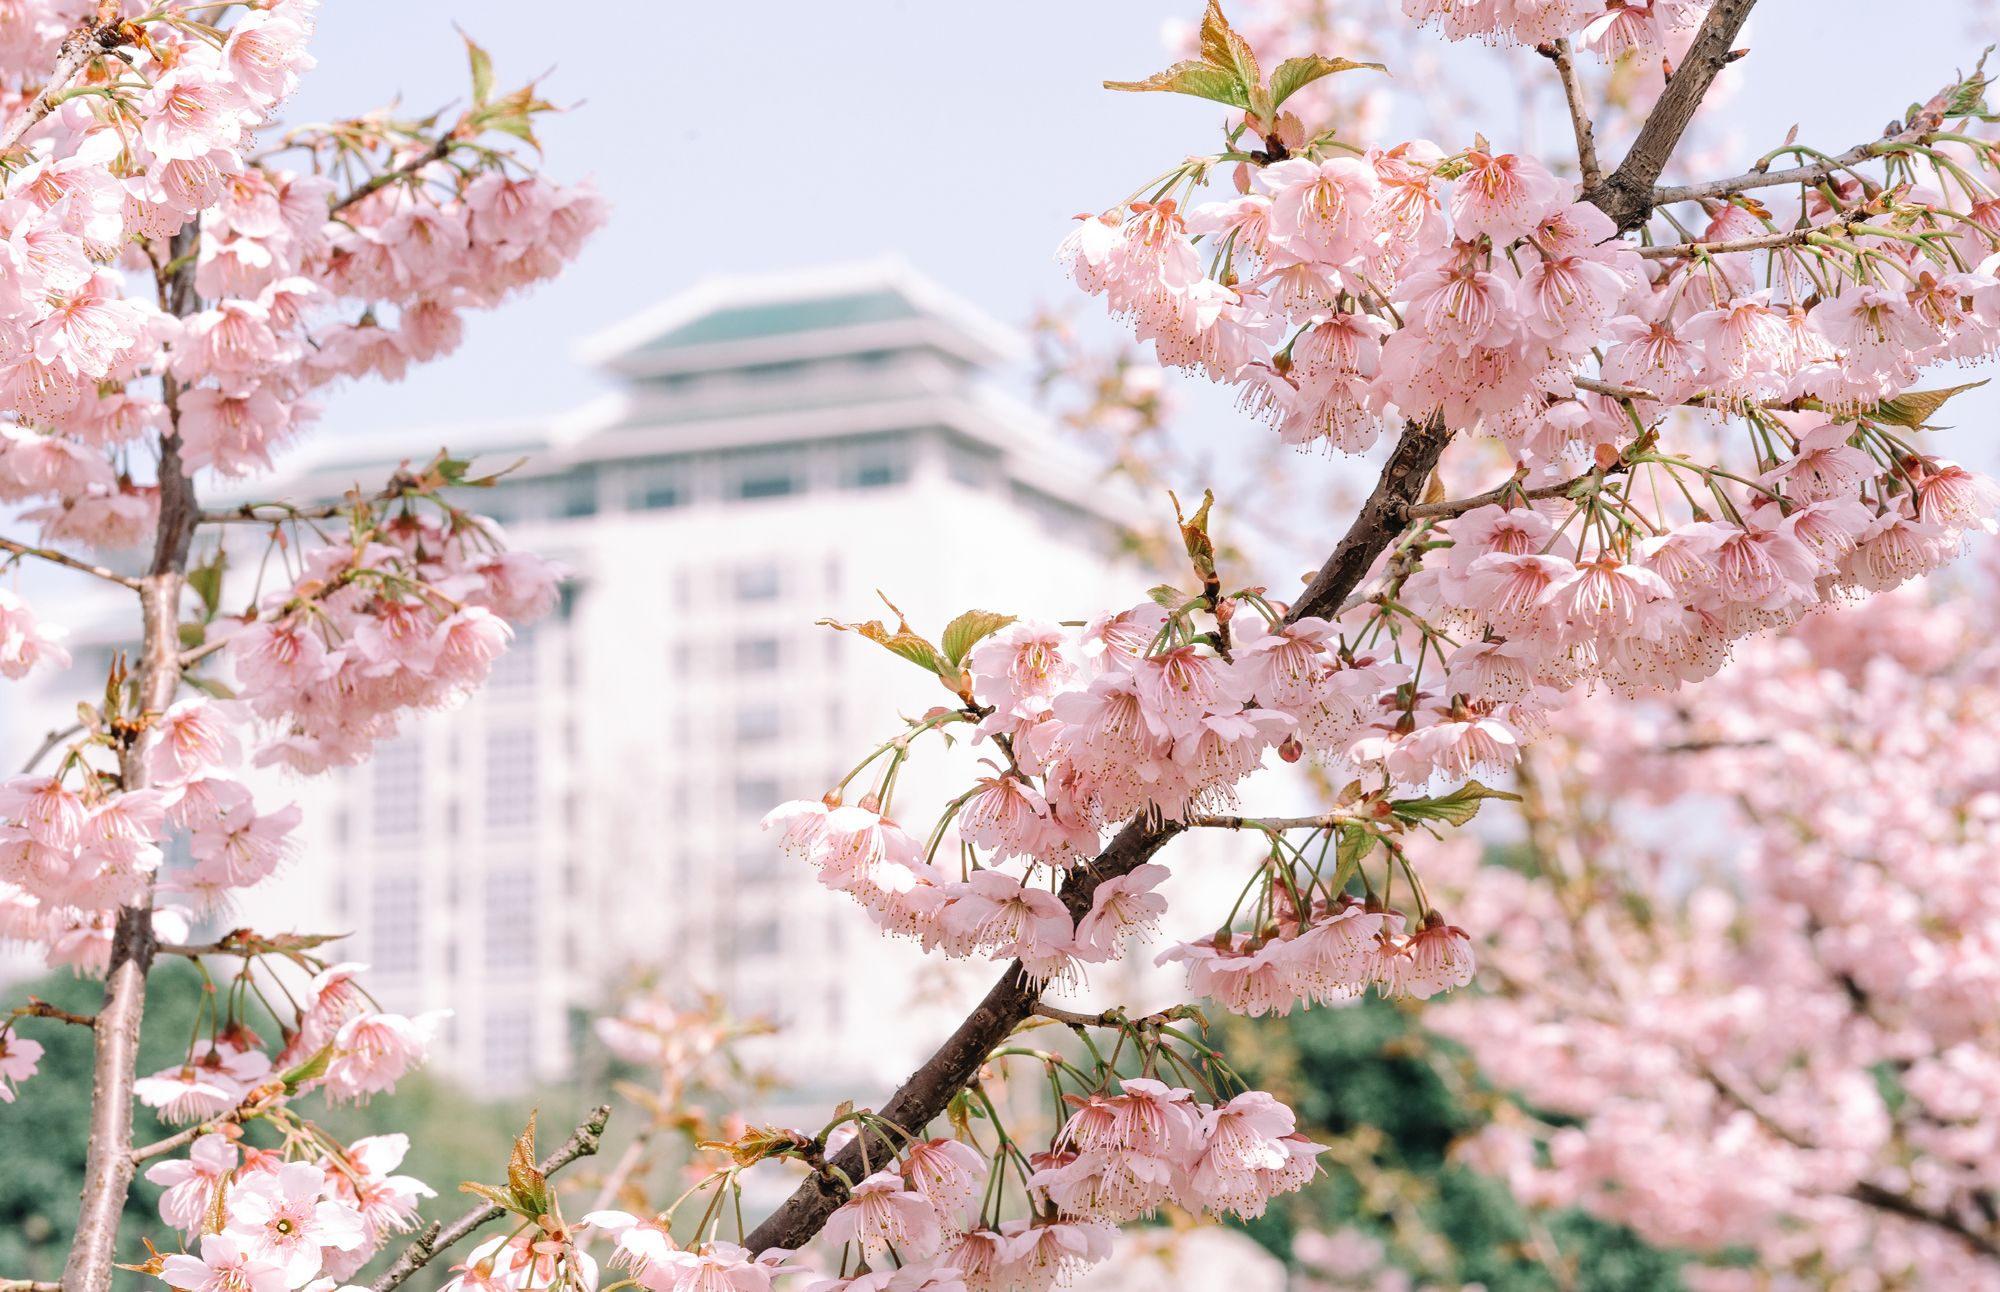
[[1350, 290], [1772, 1032], [1139, 715], [1611, 27], [297, 285], [407, 614], [1118, 1157], [341, 1045], [70, 856], [264, 1222], [1331, 958]]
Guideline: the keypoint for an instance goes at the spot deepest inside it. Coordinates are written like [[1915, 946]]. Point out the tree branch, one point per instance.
[[1757, 242], [108, 1164], [1579, 116], [67, 561], [39, 1008], [432, 1243], [91, 41], [1381, 518], [1014, 998], [1273, 823], [435, 153], [1627, 194]]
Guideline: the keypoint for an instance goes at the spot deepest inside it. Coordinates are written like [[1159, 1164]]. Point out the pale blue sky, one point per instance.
[[789, 133]]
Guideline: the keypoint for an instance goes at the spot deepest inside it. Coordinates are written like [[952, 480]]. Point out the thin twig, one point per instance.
[[1512, 491], [67, 561], [433, 1242], [39, 1008], [435, 153], [1757, 242], [1579, 115], [160, 1147], [49, 742], [91, 41], [1273, 824]]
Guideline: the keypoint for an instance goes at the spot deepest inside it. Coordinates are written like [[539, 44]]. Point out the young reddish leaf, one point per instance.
[[1222, 47]]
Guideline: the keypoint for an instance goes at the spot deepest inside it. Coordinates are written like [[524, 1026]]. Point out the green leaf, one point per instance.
[[309, 1071], [208, 686], [1166, 594], [193, 635], [966, 631], [1915, 408], [1198, 79], [1222, 47], [482, 72], [1294, 74], [206, 580], [1455, 808], [1352, 845]]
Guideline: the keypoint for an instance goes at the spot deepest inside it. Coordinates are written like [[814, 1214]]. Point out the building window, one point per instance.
[[398, 790], [514, 670], [395, 929], [578, 497], [757, 582], [968, 468], [759, 938], [876, 466], [758, 722], [656, 491], [511, 782], [764, 862], [775, 482], [510, 920], [508, 1051], [755, 796], [756, 654]]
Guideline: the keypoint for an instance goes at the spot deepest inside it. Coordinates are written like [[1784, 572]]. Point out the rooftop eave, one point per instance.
[[799, 347]]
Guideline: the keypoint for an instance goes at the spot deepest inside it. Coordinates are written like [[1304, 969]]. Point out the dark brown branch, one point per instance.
[[434, 1240], [1897, 1205], [1627, 194], [1013, 999], [1381, 518]]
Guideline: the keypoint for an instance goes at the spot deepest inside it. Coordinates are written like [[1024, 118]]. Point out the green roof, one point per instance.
[[743, 322]]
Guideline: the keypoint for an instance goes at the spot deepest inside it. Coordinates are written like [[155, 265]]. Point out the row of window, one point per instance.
[[745, 477], [395, 922]]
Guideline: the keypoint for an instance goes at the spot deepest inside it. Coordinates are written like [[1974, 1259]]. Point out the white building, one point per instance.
[[781, 450]]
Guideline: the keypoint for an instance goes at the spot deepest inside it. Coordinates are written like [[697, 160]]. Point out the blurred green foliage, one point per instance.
[[1391, 1099]]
